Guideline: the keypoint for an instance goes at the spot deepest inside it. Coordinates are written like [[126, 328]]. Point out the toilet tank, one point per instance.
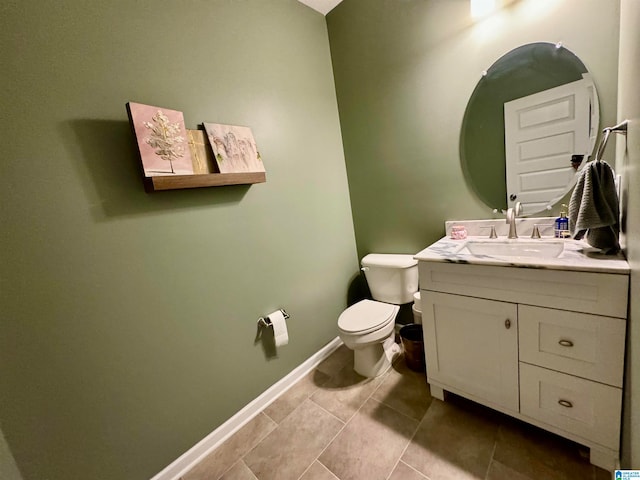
[[392, 278]]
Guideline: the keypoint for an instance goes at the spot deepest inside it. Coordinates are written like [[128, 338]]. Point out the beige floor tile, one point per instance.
[[297, 394], [405, 472], [239, 471], [287, 451], [452, 443], [405, 391], [370, 444], [317, 471], [338, 359], [223, 457], [345, 392], [456, 440], [498, 471], [539, 454]]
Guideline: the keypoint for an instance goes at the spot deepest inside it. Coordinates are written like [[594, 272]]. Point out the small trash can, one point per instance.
[[417, 308], [413, 345]]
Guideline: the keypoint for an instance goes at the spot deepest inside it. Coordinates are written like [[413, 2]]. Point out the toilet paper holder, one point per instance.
[[265, 322]]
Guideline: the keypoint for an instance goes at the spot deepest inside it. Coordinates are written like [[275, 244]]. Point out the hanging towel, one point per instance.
[[594, 208]]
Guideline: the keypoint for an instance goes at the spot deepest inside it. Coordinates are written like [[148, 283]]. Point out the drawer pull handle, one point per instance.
[[507, 324], [565, 403], [566, 343]]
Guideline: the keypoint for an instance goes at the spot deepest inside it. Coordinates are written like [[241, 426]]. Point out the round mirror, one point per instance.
[[530, 125]]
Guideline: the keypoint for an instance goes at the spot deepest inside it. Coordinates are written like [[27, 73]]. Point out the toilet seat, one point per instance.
[[366, 316]]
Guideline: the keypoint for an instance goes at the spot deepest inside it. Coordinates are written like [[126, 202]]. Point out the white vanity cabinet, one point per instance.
[[545, 346]]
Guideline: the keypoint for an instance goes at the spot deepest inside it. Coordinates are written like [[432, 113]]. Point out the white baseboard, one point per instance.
[[191, 457]]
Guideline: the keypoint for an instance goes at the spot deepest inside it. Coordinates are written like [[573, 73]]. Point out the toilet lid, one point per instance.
[[365, 316]]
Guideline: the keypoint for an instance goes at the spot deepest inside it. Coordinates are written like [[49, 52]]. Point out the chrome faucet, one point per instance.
[[512, 213]]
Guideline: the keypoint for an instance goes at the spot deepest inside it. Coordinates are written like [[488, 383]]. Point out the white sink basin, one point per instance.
[[515, 248]]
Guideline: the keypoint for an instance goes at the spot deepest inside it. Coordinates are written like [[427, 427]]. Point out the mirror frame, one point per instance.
[[523, 71]]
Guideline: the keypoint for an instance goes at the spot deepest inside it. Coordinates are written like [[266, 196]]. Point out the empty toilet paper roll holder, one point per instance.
[[266, 322]]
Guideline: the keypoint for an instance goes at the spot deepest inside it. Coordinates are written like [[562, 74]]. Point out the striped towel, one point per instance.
[[594, 209]]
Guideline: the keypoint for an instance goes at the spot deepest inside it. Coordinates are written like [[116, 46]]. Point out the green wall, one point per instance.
[[128, 319], [404, 72]]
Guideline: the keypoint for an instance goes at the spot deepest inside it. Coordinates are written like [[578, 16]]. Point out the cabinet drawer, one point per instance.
[[588, 346], [587, 409], [596, 293]]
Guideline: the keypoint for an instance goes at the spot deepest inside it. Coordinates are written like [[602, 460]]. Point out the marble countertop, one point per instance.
[[576, 256]]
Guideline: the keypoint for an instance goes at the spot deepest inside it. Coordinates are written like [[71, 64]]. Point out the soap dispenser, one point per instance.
[[562, 224]]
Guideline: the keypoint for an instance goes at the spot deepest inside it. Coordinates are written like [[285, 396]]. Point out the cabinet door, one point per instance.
[[471, 345]]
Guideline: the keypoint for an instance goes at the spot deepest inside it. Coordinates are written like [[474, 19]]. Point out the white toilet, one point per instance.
[[368, 327]]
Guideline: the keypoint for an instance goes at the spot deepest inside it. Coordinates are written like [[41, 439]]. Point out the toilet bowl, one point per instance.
[[368, 327]]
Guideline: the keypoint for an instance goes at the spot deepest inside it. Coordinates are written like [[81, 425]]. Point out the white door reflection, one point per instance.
[[542, 133]]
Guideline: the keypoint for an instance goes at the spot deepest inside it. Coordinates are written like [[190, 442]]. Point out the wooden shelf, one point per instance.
[[203, 180]]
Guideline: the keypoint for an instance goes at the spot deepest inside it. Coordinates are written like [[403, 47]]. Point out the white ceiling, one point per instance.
[[322, 6]]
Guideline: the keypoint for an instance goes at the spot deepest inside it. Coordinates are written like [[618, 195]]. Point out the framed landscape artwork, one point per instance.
[[162, 140], [234, 148]]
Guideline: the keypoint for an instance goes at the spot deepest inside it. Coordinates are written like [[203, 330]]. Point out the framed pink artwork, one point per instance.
[[162, 140]]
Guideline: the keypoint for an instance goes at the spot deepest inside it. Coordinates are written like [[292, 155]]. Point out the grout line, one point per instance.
[[252, 474], [317, 459], [419, 420], [397, 411], [415, 470], [272, 419], [395, 465], [308, 397], [278, 426], [344, 422], [371, 397], [343, 427], [287, 415], [332, 474], [242, 456], [233, 465], [407, 446], [493, 452], [381, 380], [306, 470]]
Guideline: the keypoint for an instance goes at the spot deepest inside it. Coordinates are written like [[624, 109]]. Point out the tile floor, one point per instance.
[[336, 425]]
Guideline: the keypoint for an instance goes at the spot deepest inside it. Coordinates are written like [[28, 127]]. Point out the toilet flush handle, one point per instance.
[[364, 269]]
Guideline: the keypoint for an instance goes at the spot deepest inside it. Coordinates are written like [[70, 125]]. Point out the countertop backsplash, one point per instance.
[[524, 226]]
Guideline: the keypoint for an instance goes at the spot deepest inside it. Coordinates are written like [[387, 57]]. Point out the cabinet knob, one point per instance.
[[507, 324], [565, 403], [566, 343]]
